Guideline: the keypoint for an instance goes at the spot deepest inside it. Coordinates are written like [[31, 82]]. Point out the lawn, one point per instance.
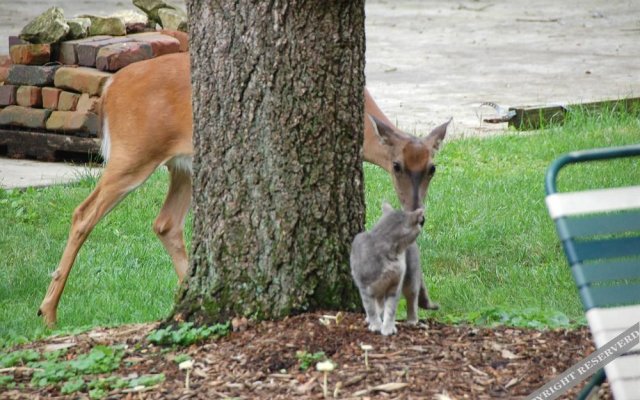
[[489, 250]]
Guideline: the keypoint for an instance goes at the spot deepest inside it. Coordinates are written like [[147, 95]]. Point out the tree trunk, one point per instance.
[[278, 184]]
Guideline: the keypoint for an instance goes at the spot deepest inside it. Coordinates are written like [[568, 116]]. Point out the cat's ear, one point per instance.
[[386, 208]]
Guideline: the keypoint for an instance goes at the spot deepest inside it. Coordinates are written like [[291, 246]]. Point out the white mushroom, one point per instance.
[[325, 367], [366, 348], [186, 365]]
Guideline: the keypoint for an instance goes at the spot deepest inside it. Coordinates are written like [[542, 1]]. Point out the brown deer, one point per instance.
[[133, 147]]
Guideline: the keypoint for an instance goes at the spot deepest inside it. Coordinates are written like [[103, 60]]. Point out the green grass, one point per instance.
[[488, 249]]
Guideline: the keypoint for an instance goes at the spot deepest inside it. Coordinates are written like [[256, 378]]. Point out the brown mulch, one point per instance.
[[259, 361]]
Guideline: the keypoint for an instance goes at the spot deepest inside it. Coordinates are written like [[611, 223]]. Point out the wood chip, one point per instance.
[[508, 355], [389, 387], [477, 371]]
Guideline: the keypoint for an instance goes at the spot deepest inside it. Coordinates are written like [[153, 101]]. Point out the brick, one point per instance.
[[5, 64], [68, 50], [82, 80], [116, 56], [24, 117], [161, 44], [50, 97], [31, 75], [14, 40], [79, 123], [5, 61], [68, 101], [182, 37], [30, 54], [29, 96], [87, 52], [88, 103], [8, 95]]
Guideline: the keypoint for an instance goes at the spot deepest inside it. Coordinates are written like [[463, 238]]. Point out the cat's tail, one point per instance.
[[423, 299]]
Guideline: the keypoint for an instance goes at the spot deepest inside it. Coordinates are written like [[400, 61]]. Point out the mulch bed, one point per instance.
[[433, 361]]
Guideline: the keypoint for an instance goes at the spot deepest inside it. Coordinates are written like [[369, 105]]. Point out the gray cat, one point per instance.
[[384, 262]]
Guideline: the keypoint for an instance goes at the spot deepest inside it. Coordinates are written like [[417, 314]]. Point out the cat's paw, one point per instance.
[[375, 327], [389, 330]]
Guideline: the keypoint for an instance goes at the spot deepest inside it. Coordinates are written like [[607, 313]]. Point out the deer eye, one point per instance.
[[396, 167], [432, 169]]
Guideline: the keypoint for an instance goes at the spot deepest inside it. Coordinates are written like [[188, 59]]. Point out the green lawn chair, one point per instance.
[[600, 234]]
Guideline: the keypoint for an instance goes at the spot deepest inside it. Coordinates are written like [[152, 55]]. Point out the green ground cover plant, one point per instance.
[[488, 248]]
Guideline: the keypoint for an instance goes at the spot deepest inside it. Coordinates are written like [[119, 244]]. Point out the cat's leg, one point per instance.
[[371, 308], [380, 307], [390, 307]]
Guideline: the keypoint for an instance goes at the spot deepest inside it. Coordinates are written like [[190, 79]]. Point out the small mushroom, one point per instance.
[[186, 365], [366, 348], [325, 367]]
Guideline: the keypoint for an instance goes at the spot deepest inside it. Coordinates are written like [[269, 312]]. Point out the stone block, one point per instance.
[[182, 37], [88, 51], [8, 95], [173, 19], [50, 97], [49, 27], [115, 56], [88, 103], [31, 75], [134, 21], [106, 26], [160, 44], [68, 101], [78, 28], [68, 49], [24, 117], [151, 7], [78, 123], [30, 54], [29, 96], [82, 80]]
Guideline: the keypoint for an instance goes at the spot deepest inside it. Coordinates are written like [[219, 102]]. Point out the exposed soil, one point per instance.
[[259, 361]]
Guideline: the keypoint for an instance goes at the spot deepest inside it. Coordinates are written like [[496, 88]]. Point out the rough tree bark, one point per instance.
[[278, 185]]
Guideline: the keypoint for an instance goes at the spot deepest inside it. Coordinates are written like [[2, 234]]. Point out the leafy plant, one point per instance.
[[98, 388], [187, 334], [181, 357], [6, 380], [308, 359], [146, 380], [99, 360], [72, 385], [18, 357]]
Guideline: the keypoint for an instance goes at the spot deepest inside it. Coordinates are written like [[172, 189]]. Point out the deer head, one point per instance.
[[409, 160]]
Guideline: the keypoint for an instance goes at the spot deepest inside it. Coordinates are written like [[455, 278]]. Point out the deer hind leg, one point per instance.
[[169, 226], [112, 187]]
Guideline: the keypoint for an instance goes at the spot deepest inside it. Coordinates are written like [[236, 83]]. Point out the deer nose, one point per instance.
[[421, 220]]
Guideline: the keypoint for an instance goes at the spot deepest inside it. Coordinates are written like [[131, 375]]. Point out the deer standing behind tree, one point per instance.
[[137, 139]]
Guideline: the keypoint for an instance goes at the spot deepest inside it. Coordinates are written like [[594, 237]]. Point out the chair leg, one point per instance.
[[593, 384]]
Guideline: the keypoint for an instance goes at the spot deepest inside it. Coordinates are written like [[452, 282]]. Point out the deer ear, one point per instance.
[[386, 208], [437, 135], [386, 135]]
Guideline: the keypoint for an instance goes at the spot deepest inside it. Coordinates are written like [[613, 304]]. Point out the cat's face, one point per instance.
[[402, 227]]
